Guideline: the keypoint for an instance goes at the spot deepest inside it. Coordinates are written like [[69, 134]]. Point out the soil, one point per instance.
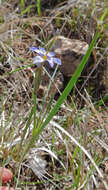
[[21, 28]]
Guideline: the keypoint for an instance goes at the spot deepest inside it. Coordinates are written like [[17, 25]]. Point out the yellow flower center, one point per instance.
[[44, 57]]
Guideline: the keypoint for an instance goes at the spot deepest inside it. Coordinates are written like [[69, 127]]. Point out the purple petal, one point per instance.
[[51, 62], [37, 60], [32, 48], [42, 50], [35, 49], [50, 54], [38, 64], [57, 60]]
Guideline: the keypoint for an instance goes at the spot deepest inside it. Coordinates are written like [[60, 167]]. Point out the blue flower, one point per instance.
[[43, 56]]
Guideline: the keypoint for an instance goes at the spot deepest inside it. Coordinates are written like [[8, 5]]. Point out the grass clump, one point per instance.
[[50, 143]]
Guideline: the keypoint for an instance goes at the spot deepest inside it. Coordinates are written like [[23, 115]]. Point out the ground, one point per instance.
[[58, 158]]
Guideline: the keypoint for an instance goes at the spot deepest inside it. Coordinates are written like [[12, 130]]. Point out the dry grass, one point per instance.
[[55, 161]]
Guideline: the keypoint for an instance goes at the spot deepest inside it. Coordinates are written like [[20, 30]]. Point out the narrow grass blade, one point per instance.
[[38, 7], [69, 86], [64, 95], [102, 101]]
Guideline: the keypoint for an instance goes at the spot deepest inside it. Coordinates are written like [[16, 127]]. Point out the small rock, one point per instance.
[[5, 175], [71, 52], [6, 188]]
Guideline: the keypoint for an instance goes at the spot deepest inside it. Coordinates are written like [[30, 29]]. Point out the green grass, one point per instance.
[[40, 126], [38, 7], [65, 93], [19, 152]]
